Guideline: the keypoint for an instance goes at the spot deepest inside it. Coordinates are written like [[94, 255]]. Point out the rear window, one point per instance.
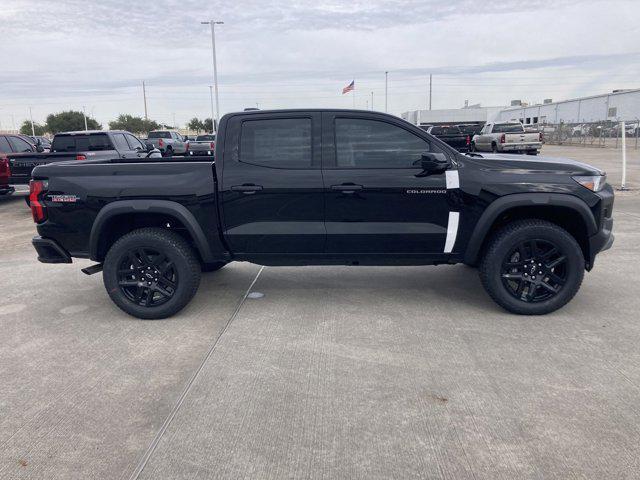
[[507, 128], [276, 143], [206, 138], [81, 143], [159, 134], [445, 131]]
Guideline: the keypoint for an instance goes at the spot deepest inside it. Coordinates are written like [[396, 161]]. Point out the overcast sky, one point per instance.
[[62, 54]]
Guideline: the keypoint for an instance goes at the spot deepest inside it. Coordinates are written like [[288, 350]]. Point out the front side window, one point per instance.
[[276, 143], [374, 144]]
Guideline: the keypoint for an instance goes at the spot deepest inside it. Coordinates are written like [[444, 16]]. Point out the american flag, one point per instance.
[[350, 87]]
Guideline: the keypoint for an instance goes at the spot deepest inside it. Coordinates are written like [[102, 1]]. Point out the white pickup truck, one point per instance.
[[507, 137]]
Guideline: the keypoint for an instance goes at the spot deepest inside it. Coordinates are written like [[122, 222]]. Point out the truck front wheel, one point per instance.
[[532, 267], [151, 273]]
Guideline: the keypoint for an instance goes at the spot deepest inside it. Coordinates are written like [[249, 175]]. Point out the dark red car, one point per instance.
[[11, 144]]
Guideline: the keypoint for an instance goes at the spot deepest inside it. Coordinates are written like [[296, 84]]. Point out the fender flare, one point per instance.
[[167, 207], [502, 204]]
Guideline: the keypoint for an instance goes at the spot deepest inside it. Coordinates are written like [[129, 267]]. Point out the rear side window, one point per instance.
[[19, 145], [4, 145], [276, 143], [159, 135], [375, 144], [81, 143], [134, 142]]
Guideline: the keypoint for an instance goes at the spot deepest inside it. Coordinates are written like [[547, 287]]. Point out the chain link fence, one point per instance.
[[595, 134]]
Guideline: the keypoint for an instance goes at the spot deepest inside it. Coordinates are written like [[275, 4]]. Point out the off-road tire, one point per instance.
[[505, 240], [176, 249]]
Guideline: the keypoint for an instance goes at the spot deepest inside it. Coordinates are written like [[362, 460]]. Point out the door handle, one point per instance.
[[346, 188], [247, 189]]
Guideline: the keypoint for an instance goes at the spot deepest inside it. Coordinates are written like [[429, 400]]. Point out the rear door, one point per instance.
[[378, 199], [271, 185]]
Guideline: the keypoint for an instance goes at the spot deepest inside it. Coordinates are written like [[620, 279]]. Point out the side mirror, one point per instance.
[[149, 146], [434, 162]]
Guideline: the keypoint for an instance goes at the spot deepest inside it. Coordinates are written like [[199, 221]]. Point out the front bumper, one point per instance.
[[6, 189], [50, 251]]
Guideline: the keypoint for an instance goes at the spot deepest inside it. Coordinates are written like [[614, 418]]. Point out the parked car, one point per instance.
[[506, 137], [83, 145], [301, 187], [14, 145], [5, 187], [203, 145], [169, 143], [451, 135]]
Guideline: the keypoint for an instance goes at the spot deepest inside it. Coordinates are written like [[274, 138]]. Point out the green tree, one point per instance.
[[133, 124], [208, 125], [195, 124], [69, 121], [25, 128]]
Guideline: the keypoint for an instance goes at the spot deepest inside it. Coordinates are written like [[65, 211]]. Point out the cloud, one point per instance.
[[66, 54]]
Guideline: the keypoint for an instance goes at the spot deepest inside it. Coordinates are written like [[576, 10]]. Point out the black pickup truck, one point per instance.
[[301, 187], [452, 136], [82, 145]]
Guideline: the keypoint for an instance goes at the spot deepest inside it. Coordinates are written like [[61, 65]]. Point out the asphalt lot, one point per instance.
[[336, 372]]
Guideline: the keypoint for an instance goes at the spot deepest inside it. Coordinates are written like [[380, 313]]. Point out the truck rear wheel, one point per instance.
[[532, 267], [151, 273]]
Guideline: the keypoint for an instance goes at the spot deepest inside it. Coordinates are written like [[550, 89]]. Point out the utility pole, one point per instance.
[[386, 91], [213, 24], [212, 112], [430, 85], [175, 127], [371, 100], [84, 114], [33, 129], [144, 95]]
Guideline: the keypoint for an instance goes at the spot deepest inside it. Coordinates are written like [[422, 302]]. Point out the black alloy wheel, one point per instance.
[[147, 277], [534, 270]]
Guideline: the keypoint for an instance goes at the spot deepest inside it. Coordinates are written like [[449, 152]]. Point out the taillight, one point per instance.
[[81, 157], [4, 166], [503, 138], [468, 140], [160, 143], [213, 145], [38, 210]]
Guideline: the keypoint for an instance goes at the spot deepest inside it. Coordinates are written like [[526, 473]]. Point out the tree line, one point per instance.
[[71, 120]]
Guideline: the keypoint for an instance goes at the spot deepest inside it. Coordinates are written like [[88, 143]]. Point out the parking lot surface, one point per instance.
[[321, 372]]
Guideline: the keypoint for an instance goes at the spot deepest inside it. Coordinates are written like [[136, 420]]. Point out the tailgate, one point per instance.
[[522, 138], [21, 166]]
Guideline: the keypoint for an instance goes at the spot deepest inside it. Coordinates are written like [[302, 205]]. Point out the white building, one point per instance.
[[473, 114], [615, 106]]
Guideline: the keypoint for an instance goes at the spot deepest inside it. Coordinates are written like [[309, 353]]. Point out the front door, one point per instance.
[[378, 198], [272, 197]]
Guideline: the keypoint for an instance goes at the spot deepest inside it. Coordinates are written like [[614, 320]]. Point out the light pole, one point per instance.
[[213, 24], [371, 100], [33, 129], [84, 114], [212, 112], [386, 91]]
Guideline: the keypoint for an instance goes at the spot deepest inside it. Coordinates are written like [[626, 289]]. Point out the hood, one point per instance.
[[534, 164]]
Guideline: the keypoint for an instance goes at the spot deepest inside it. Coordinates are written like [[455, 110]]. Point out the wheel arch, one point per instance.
[[120, 217], [567, 211]]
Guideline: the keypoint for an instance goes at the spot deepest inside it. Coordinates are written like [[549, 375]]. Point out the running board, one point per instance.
[[92, 269]]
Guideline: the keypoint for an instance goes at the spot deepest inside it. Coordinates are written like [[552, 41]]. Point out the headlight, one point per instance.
[[592, 182]]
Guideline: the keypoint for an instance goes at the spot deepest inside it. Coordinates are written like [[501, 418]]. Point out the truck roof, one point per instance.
[[91, 132], [304, 110]]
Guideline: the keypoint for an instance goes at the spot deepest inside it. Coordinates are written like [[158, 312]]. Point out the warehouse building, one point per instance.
[[616, 106], [472, 114]]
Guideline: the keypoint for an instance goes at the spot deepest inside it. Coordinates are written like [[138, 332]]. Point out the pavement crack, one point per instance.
[[165, 425]]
